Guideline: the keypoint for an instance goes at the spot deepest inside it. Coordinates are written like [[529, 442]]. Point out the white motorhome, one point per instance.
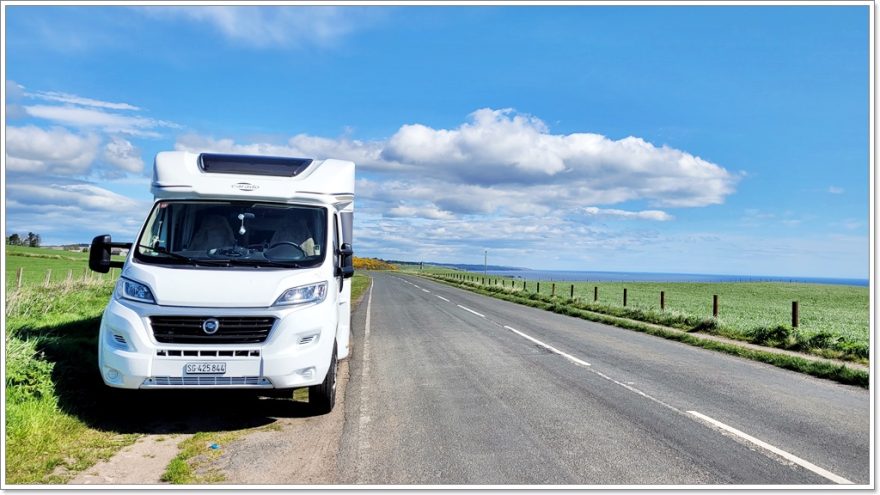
[[237, 278]]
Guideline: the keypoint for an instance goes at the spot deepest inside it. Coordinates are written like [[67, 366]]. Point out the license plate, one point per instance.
[[205, 368]]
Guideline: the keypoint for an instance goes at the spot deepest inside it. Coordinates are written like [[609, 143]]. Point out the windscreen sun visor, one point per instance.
[[215, 163]]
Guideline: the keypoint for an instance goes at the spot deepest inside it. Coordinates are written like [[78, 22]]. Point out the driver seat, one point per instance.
[[213, 233], [297, 233]]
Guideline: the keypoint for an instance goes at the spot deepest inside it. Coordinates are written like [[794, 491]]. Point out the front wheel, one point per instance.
[[322, 397]]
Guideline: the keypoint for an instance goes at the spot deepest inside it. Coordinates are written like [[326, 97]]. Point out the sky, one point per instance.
[[674, 139]]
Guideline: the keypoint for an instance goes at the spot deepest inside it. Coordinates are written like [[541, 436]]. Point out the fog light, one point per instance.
[[112, 374], [306, 373]]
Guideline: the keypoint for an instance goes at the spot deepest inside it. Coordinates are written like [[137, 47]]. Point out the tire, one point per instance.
[[322, 397]]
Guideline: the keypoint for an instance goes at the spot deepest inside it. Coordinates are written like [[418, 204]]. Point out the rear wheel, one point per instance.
[[322, 397]]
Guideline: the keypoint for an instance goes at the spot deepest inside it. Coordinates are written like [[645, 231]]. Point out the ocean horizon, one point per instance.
[[601, 276]]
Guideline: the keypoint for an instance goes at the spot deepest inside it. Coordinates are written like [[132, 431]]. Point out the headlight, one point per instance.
[[314, 293], [129, 289]]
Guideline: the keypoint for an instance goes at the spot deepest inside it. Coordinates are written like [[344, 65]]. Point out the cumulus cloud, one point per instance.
[[504, 161], [425, 211], [122, 154], [657, 215], [57, 151], [278, 26]]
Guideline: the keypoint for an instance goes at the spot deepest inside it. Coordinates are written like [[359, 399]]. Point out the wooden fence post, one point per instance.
[[571, 296], [795, 317], [48, 277], [19, 275], [524, 285], [624, 297], [538, 289], [715, 306], [662, 300], [553, 290], [596, 293]]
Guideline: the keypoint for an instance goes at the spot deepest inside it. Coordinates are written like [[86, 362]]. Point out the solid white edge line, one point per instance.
[[548, 347], [766, 446], [472, 311], [441, 297]]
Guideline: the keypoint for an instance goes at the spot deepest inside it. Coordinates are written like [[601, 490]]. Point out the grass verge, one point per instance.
[[197, 452], [839, 373], [51, 340]]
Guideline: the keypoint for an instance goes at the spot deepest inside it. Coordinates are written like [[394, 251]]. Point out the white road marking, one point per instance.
[[472, 311], [549, 347], [416, 286], [441, 297], [426, 290], [766, 446], [363, 443]]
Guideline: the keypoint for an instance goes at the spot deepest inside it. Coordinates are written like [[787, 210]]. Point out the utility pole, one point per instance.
[[486, 262]]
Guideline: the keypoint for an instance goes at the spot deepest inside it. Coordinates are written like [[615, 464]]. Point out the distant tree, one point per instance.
[[13, 240], [33, 240]]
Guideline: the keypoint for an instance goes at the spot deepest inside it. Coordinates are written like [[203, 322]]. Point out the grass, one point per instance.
[[37, 261], [51, 340], [624, 318], [359, 283], [834, 319], [195, 453]]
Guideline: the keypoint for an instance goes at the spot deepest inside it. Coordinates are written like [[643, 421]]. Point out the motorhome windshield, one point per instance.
[[227, 233]]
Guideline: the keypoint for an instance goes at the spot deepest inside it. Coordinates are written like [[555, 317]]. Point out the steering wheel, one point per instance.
[[288, 243]]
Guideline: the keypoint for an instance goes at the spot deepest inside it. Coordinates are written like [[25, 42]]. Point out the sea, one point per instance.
[[584, 276]]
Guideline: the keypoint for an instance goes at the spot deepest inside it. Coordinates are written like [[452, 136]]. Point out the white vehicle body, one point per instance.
[[203, 318]]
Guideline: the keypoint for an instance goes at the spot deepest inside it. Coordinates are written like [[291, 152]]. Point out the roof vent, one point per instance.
[[214, 163]]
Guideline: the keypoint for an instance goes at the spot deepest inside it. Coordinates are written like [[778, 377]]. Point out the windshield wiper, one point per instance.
[[191, 261], [258, 263]]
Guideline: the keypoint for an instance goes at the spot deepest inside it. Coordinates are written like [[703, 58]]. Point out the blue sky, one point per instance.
[[666, 139]]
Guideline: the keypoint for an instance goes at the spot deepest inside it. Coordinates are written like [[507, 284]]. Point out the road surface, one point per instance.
[[451, 387]]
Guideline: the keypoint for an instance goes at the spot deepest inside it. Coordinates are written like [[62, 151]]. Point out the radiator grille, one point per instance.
[[232, 329]]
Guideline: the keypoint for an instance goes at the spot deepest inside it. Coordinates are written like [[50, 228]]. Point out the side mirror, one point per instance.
[[346, 254], [99, 254]]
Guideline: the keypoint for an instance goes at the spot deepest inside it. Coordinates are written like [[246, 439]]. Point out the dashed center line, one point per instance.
[[441, 297], [549, 347], [472, 311], [426, 290], [766, 446]]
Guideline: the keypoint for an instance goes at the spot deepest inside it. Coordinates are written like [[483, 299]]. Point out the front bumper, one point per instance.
[[295, 354]]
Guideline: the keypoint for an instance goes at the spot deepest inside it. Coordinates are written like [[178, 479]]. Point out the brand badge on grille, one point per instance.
[[210, 326]]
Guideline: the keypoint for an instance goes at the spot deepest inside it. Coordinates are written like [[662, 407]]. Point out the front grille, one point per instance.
[[207, 381], [232, 329]]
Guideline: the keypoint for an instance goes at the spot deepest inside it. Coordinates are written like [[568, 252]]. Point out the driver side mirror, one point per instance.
[[347, 265], [99, 254]]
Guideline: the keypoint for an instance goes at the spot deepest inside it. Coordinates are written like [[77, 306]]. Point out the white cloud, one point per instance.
[[656, 215], [94, 118], [88, 197], [31, 149], [835, 190], [121, 153], [277, 26], [409, 211], [79, 100]]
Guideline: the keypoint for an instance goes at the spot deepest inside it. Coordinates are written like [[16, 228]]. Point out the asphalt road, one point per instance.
[[451, 387]]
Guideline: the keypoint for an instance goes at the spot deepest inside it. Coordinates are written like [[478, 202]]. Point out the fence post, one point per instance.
[[624, 297], [48, 277], [596, 293], [524, 285], [662, 300], [19, 274], [715, 306], [795, 317], [572, 292], [538, 289], [553, 290]]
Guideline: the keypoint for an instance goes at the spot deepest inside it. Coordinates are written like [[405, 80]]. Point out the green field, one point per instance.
[[60, 418], [834, 319], [36, 262]]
